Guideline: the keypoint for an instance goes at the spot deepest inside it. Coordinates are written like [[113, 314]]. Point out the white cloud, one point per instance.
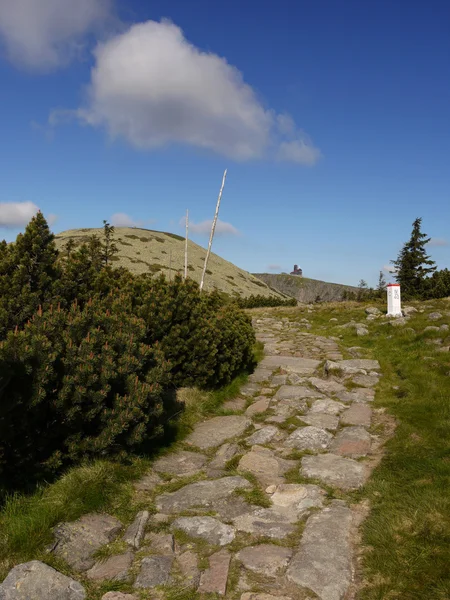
[[204, 228], [438, 242], [16, 214], [274, 268], [51, 219], [45, 34], [124, 220], [389, 269], [152, 87]]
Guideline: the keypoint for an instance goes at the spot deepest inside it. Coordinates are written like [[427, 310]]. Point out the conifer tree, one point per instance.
[[109, 248], [413, 264], [381, 285]]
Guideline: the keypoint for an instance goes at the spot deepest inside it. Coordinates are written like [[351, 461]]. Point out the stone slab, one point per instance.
[[181, 463], [327, 386], [216, 431], [155, 570], [265, 559], [263, 436], [265, 465], [214, 579], [337, 471], [366, 380], [324, 561], [321, 420], [329, 407], [201, 494], [163, 543], [294, 392], [223, 455], [35, 580], [236, 404], [295, 500], [118, 596], [148, 483], [360, 363], [206, 528], [309, 438], [188, 563], [292, 364], [114, 568], [259, 406], [265, 522], [357, 414], [135, 532], [351, 441], [357, 395]]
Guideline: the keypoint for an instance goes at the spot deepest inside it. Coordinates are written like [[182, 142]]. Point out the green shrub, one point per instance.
[[257, 301], [77, 384]]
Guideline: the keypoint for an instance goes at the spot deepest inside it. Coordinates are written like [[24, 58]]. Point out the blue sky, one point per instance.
[[332, 118]]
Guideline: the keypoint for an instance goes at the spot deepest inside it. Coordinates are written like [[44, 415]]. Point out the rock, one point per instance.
[[148, 483], [155, 570], [260, 375], [351, 441], [360, 363], [35, 580], [295, 500], [202, 493], [399, 322], [357, 414], [357, 395], [278, 380], [249, 389], [114, 568], [431, 328], [292, 364], [229, 508], [237, 404], [309, 438], [263, 436], [343, 473], [261, 596], [366, 380], [265, 559], [265, 465], [323, 563], [334, 367], [206, 528], [321, 420], [327, 386], [265, 522], [361, 331], [409, 310], [296, 392], [373, 310], [77, 541], [329, 407], [444, 327], [188, 564], [214, 580], [217, 430], [135, 532], [223, 455], [258, 407], [289, 408], [180, 463], [163, 543], [434, 316], [118, 596]]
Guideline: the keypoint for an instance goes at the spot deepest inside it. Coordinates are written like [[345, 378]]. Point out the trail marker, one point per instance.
[[394, 300]]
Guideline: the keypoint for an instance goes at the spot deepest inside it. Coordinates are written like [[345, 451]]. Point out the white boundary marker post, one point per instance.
[[186, 246], [394, 300], [213, 228]]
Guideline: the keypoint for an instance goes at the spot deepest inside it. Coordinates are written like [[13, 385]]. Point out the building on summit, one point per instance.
[[297, 271]]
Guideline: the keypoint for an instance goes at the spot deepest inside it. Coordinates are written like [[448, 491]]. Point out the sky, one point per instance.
[[332, 118]]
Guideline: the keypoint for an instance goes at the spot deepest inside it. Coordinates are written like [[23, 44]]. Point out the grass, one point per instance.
[[406, 537]]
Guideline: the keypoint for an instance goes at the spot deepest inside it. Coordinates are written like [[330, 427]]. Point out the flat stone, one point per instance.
[[77, 541], [114, 568], [309, 438], [294, 379], [260, 596], [278, 380], [265, 465], [400, 322], [296, 392], [214, 580], [200, 494], [360, 363], [188, 564], [260, 375], [357, 395], [218, 430], [236, 404], [258, 407], [321, 420], [135, 532], [324, 561], [366, 380], [372, 310], [164, 543], [148, 483], [336, 368], [327, 386], [351, 441], [329, 407], [361, 331], [295, 500], [431, 328], [343, 473], [249, 389], [265, 522], [357, 414], [155, 570], [230, 508], [35, 580], [180, 463], [118, 596], [265, 559], [263, 436], [292, 364], [434, 316], [206, 528], [289, 408]]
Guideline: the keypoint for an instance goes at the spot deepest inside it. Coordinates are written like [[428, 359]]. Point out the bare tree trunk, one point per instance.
[[186, 247], [213, 228]]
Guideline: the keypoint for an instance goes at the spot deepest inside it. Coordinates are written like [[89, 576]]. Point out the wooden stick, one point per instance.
[[213, 228], [186, 247]]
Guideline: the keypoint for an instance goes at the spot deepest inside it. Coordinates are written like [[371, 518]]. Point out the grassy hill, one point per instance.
[[303, 289], [156, 252]]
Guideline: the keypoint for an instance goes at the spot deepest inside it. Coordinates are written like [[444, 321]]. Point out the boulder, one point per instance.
[[434, 316], [35, 580]]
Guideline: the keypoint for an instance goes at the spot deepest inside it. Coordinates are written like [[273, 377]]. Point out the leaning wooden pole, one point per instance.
[[213, 228], [186, 247]]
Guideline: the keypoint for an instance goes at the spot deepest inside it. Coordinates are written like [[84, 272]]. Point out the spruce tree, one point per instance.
[[109, 248], [381, 285], [413, 264]]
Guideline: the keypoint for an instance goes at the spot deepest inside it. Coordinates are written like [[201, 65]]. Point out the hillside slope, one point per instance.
[[148, 251], [304, 289]]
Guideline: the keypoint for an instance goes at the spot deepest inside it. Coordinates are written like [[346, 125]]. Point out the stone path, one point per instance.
[[263, 509]]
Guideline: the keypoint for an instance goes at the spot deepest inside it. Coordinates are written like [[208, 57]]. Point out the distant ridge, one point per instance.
[[304, 289]]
